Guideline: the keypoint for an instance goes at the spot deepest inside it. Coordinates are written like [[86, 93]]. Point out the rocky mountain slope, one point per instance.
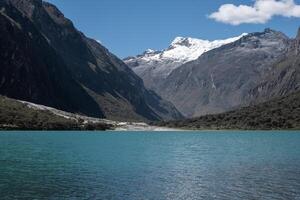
[[283, 78], [155, 66], [32, 70], [220, 79], [279, 113], [48, 61]]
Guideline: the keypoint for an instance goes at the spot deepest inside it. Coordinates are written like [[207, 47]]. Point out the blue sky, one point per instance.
[[128, 27]]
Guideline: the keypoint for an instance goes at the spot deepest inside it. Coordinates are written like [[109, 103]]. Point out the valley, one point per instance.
[[50, 65]]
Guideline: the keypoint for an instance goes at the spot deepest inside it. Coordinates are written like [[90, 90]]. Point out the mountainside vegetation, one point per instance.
[[280, 113], [15, 115]]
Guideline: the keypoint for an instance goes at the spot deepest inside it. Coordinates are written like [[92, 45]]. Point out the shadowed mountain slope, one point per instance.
[[112, 89], [31, 69]]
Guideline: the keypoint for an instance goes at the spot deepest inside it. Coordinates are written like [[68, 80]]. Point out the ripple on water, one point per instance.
[[239, 165]]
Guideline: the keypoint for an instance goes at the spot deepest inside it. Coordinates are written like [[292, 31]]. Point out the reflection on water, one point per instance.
[[212, 165]]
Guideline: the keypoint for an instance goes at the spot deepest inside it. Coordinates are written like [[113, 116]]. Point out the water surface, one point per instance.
[[150, 165]]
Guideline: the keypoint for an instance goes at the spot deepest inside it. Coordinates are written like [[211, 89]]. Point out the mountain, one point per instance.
[[278, 113], [220, 79], [32, 70], [283, 78], [48, 61], [154, 66]]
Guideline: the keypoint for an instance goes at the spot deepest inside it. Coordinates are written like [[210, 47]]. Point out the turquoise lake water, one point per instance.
[[138, 166]]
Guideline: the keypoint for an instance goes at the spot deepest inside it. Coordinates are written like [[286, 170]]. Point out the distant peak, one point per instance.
[[184, 49], [269, 33], [182, 41], [243, 34], [189, 40], [178, 40], [269, 30], [298, 34], [149, 51]]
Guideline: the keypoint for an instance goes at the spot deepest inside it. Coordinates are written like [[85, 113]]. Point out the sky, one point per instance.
[[129, 27]]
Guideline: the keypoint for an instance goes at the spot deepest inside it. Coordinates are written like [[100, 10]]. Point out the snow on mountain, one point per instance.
[[182, 50], [152, 65], [188, 49]]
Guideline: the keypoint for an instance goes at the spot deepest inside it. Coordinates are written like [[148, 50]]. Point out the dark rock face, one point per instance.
[[32, 71], [220, 80], [114, 89]]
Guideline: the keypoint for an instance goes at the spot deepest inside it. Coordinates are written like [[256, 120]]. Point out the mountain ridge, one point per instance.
[[153, 66], [283, 78], [116, 90], [32, 70], [220, 79]]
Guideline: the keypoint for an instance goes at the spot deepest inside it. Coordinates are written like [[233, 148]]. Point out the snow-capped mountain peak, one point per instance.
[[184, 49], [160, 64], [188, 49], [182, 41]]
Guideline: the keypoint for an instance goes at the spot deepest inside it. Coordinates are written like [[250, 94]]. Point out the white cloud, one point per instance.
[[261, 12]]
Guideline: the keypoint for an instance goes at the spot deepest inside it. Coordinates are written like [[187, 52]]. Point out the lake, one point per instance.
[[150, 165]]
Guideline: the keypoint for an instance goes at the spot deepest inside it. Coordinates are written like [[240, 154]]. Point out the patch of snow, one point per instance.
[[188, 49], [181, 51], [213, 82]]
